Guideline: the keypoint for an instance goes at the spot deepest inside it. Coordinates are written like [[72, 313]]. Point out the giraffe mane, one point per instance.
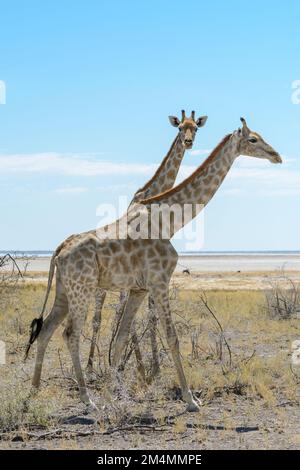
[[162, 164], [198, 171]]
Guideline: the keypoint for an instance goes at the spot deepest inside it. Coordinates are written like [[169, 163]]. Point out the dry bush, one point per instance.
[[283, 300], [10, 275], [223, 371], [17, 410], [12, 323]]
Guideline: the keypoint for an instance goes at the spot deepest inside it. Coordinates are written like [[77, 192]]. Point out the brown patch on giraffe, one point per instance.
[[165, 263], [207, 180], [127, 245], [134, 260], [164, 277], [85, 270], [171, 174], [125, 264], [85, 252], [106, 252], [79, 265], [151, 252], [114, 247], [160, 249]]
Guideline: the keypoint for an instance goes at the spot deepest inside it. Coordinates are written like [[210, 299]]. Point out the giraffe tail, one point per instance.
[[37, 323], [35, 328]]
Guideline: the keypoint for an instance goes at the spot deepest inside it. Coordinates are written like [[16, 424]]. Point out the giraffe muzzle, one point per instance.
[[276, 158], [188, 143]]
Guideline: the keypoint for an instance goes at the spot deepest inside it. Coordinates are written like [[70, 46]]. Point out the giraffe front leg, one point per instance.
[[100, 298], [161, 300]]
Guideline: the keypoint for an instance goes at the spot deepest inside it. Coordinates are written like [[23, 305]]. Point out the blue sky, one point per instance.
[[89, 86]]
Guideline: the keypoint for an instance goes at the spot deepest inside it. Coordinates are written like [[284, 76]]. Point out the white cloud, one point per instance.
[[70, 190], [200, 152], [259, 175], [247, 162], [70, 165], [231, 191], [185, 171], [280, 192], [117, 187], [267, 179]]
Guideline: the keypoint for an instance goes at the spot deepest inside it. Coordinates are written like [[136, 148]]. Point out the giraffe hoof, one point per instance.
[[193, 406]]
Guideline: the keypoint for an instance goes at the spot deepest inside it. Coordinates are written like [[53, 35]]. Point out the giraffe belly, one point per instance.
[[122, 281]]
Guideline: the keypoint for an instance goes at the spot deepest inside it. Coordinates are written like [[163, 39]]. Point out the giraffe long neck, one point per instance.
[[202, 185], [165, 176]]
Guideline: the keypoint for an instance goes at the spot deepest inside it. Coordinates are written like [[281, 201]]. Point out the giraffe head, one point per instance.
[[253, 145], [187, 127]]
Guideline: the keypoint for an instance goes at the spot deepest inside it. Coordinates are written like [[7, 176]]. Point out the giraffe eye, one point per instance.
[[252, 140]]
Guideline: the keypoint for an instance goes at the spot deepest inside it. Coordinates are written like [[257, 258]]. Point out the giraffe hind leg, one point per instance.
[[133, 303], [78, 308], [155, 367], [52, 321]]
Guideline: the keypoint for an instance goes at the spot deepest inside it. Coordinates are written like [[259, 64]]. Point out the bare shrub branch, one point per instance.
[[283, 300]]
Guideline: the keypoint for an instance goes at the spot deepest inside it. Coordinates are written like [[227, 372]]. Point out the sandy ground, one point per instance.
[[205, 263], [208, 272]]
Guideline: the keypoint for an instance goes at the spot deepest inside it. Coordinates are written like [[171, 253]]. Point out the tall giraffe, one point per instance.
[[136, 265], [163, 179]]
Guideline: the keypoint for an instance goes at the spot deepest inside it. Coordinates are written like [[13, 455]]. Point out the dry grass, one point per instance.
[[283, 300], [250, 393]]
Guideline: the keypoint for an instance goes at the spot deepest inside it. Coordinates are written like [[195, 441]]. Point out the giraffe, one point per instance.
[[163, 179], [137, 265]]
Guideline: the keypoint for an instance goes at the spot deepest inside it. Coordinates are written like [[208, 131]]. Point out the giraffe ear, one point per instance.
[[201, 121], [245, 128], [174, 121]]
